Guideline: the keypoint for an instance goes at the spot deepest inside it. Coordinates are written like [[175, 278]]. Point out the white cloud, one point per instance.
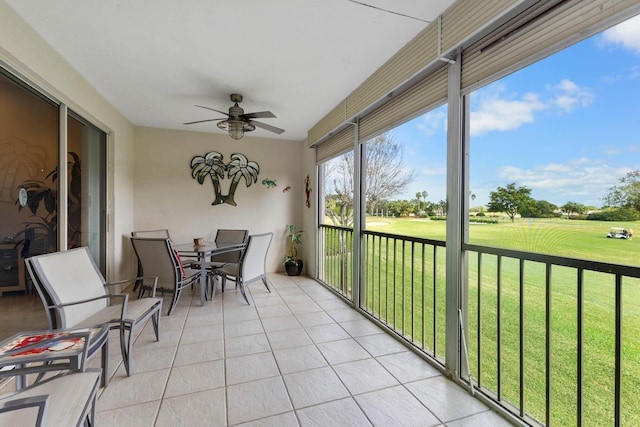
[[502, 114], [431, 122], [626, 34], [569, 95], [611, 150], [494, 110], [433, 171], [579, 179]]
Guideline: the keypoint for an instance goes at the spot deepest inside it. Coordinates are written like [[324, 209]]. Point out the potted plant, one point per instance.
[[292, 264]]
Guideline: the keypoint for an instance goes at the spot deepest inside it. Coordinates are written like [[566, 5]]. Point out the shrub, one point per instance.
[[480, 214], [615, 215], [581, 217], [476, 220]]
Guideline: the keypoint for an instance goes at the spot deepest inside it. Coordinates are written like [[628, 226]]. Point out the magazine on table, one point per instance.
[[45, 343]]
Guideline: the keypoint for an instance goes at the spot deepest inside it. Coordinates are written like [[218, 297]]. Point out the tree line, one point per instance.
[[386, 176], [621, 203]]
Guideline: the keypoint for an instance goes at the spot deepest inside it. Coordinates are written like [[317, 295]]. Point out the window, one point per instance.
[[338, 189], [549, 142], [406, 178], [335, 236], [553, 166]]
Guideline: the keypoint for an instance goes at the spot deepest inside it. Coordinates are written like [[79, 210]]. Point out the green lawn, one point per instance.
[[569, 238], [563, 237]]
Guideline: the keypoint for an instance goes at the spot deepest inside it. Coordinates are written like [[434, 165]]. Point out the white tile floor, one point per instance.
[[297, 356]]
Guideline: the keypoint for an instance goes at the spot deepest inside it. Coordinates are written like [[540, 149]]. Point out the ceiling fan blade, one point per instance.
[[260, 115], [202, 121], [213, 109], [267, 127]]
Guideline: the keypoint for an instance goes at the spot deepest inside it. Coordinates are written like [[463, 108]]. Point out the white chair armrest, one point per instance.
[[124, 297]]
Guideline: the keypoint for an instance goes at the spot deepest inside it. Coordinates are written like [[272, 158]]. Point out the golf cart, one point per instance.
[[618, 233]]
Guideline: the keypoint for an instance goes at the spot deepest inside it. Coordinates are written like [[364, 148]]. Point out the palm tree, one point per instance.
[[210, 165], [240, 167], [43, 224]]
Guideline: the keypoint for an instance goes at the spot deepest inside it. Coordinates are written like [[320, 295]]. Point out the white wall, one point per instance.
[[166, 196], [25, 52]]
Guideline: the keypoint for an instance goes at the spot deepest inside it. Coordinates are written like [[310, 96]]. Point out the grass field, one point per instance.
[[570, 238], [575, 239]]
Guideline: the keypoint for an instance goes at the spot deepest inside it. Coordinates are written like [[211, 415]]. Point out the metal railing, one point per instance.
[[404, 288], [335, 260], [403, 282], [551, 340], [546, 336]]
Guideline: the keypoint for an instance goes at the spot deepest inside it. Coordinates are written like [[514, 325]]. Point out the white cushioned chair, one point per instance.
[[252, 265], [75, 294]]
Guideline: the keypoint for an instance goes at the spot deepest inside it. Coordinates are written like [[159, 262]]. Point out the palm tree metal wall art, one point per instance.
[[211, 165]]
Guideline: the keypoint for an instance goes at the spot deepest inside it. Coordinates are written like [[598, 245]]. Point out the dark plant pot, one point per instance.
[[294, 268]]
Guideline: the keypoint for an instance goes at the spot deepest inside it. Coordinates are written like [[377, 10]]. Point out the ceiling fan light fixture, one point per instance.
[[236, 128], [238, 122]]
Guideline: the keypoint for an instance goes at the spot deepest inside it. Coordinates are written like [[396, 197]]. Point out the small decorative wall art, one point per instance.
[[270, 183], [307, 189], [211, 165]]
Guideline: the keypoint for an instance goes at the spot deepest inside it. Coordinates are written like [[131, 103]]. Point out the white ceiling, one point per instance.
[[155, 59]]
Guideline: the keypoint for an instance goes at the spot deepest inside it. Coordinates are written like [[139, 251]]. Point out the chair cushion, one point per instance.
[[229, 269], [136, 309], [110, 314], [212, 265]]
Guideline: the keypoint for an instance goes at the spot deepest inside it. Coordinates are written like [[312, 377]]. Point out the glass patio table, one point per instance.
[[202, 253]]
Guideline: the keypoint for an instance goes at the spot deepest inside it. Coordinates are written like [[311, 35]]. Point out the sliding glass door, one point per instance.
[[86, 212], [29, 129], [47, 202]]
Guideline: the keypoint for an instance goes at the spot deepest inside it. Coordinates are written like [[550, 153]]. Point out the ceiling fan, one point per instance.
[[237, 122]]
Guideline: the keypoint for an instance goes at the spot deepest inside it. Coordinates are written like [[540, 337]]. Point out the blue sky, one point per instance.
[[567, 126]]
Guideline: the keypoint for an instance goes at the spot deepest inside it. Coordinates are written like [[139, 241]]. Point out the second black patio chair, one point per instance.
[[157, 257]]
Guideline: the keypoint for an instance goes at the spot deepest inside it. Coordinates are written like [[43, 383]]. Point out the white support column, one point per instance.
[[319, 213], [359, 203], [455, 209]]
